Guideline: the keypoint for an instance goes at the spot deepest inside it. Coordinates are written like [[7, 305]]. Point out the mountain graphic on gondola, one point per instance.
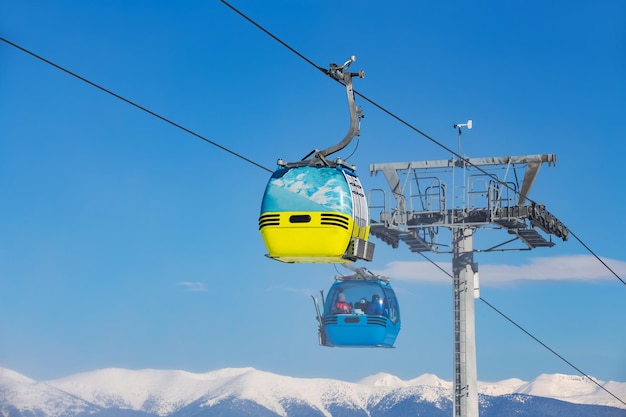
[[308, 189]]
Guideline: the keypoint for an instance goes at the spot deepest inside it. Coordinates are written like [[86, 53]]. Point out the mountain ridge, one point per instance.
[[173, 393]]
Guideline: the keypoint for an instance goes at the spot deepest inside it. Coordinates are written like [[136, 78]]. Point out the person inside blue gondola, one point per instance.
[[360, 307], [341, 305], [376, 306]]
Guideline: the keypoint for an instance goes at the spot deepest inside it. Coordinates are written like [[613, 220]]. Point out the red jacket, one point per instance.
[[342, 307]]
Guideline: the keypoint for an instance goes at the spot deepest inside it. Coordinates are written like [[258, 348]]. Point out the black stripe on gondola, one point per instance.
[[335, 224], [269, 220], [376, 320], [335, 216], [335, 220], [262, 225], [330, 320]]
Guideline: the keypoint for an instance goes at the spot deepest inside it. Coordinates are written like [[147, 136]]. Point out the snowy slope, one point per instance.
[[427, 387], [504, 387], [153, 391], [575, 389], [40, 399], [163, 392]]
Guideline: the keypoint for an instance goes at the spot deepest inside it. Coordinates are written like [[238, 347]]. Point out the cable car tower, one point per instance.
[[484, 193]]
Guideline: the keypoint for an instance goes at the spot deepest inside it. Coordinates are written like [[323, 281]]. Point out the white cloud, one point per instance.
[[560, 268], [193, 286], [416, 271]]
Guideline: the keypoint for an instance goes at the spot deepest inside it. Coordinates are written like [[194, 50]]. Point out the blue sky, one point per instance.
[[126, 242]]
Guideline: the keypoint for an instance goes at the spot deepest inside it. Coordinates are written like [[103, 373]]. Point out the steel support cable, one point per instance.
[[251, 161], [404, 122], [276, 38], [597, 257], [307, 60], [554, 352], [132, 103], [510, 320]]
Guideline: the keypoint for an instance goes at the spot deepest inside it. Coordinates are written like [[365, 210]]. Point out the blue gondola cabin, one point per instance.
[[360, 313]]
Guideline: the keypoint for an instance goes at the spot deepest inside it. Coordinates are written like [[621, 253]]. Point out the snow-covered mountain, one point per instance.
[[19, 393], [247, 391]]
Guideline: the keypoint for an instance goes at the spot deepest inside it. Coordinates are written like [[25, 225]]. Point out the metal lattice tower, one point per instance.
[[486, 193]]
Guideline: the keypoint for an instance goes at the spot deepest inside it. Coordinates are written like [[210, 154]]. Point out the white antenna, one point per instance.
[[460, 125]]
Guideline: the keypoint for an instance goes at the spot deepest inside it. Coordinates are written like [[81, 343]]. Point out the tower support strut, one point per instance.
[[465, 288]]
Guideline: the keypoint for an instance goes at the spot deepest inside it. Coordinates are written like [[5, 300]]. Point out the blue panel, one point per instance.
[[361, 331], [363, 325]]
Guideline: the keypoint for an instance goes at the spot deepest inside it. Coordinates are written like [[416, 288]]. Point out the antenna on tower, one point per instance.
[[458, 126]]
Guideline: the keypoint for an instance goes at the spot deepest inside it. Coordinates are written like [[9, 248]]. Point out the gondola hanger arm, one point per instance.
[[341, 74]]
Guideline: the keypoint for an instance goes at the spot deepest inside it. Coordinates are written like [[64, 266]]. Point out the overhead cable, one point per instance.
[[584, 374], [409, 125], [597, 257], [132, 103], [404, 122]]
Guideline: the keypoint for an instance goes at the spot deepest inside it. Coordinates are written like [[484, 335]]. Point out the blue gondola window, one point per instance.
[[361, 297]]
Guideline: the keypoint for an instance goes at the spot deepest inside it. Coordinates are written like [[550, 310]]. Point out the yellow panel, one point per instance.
[[306, 242]]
